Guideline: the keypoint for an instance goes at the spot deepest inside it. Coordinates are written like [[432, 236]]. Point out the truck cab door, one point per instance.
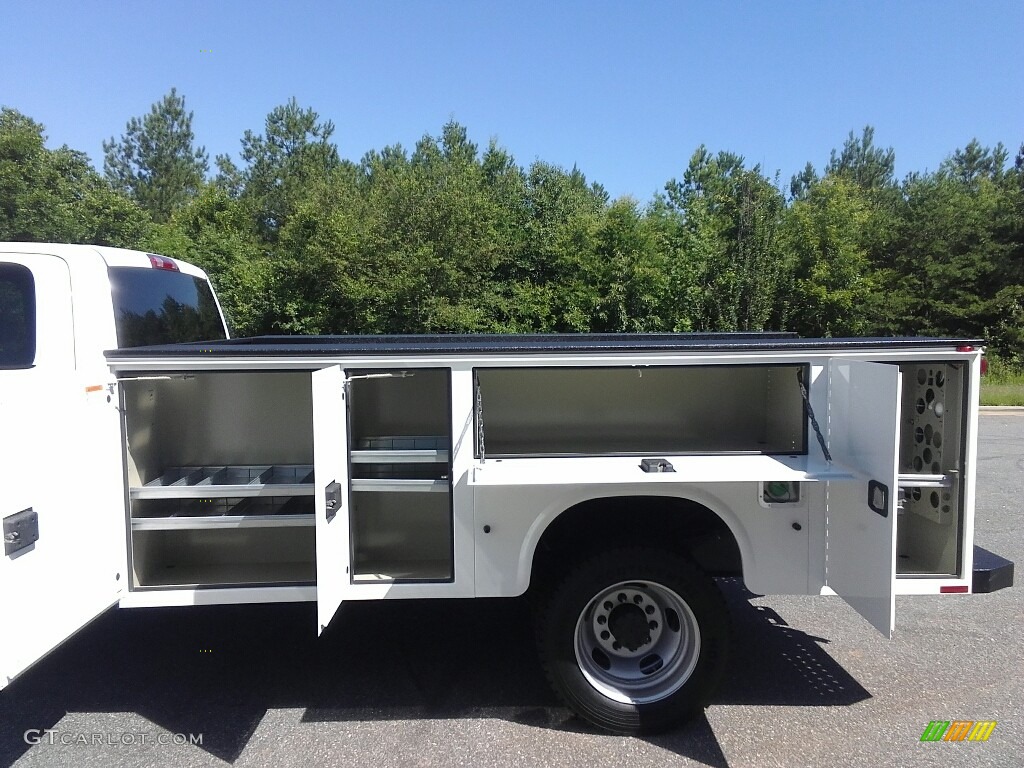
[[61, 490], [864, 417], [331, 496]]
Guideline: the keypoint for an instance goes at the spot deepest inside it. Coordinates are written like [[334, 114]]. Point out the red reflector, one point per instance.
[[965, 348], [959, 590], [984, 366], [162, 262]]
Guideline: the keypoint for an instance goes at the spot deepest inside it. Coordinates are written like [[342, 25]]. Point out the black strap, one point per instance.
[[810, 415]]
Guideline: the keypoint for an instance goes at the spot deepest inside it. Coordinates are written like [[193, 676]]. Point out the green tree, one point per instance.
[[872, 170], [831, 268], [56, 195], [975, 162], [292, 153], [957, 258], [633, 275], [861, 162], [729, 257], [558, 256], [215, 231], [155, 161], [801, 183]]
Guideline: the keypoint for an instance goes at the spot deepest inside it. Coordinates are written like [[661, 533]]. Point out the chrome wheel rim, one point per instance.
[[637, 642]]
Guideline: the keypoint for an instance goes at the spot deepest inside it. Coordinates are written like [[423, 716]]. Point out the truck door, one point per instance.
[[61, 490], [331, 497], [864, 416]]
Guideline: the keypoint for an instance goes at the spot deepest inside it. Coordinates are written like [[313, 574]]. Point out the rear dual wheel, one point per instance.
[[634, 640]]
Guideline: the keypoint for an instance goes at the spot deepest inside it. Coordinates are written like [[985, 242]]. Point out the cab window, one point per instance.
[[155, 306], [17, 316]]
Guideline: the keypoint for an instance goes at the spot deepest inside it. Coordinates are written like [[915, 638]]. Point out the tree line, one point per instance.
[[449, 237]]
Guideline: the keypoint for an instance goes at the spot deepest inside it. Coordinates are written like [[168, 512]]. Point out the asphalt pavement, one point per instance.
[[457, 683]]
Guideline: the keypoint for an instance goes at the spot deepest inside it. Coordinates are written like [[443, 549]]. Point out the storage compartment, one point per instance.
[[209, 419], [196, 557], [929, 531], [400, 475], [648, 410], [220, 478], [407, 403], [401, 536]]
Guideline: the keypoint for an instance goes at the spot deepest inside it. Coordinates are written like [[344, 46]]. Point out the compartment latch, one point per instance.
[[878, 498], [21, 530], [333, 497], [656, 465]]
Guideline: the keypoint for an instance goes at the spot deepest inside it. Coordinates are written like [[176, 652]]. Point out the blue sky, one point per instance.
[[623, 90]]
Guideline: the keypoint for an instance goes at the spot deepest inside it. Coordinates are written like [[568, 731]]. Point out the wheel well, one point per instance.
[[680, 525]]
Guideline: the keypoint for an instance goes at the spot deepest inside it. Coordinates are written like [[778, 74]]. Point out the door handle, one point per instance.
[[878, 498]]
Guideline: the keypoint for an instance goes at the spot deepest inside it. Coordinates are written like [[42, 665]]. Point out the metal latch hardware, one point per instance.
[[656, 465], [878, 498], [21, 530], [333, 499]]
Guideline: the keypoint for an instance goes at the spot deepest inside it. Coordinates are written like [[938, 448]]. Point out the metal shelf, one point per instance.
[[380, 459], [222, 512], [225, 481], [217, 484], [385, 456], [384, 569], [400, 485], [221, 521], [622, 470]]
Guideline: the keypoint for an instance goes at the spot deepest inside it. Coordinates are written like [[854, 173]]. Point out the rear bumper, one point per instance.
[[991, 572]]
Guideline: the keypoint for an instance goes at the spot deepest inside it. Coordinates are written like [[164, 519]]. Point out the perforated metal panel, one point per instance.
[[931, 444]]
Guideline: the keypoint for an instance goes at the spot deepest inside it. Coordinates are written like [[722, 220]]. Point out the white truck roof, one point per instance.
[[112, 257]]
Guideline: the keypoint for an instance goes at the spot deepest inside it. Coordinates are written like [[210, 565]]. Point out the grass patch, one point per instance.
[[1002, 386], [1002, 394]]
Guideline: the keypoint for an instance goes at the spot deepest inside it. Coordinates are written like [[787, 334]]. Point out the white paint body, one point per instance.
[[64, 455]]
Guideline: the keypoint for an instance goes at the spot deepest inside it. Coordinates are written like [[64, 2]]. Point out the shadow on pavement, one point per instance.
[[217, 670], [773, 663]]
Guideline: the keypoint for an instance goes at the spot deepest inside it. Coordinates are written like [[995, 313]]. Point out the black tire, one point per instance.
[[650, 660]]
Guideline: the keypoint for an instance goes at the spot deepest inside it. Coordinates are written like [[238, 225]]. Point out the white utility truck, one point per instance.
[[150, 460]]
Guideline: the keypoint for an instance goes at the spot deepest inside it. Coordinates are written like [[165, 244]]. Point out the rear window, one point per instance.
[[17, 316], [156, 306]]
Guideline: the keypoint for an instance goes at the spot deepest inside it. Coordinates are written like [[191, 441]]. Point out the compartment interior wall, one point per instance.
[[417, 404], [696, 409], [218, 418], [223, 556], [928, 535], [402, 535]]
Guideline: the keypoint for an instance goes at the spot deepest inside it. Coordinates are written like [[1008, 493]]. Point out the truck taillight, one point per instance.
[[970, 348], [162, 262]]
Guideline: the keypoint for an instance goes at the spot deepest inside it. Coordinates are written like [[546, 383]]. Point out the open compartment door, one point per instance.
[[864, 417], [331, 497]]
